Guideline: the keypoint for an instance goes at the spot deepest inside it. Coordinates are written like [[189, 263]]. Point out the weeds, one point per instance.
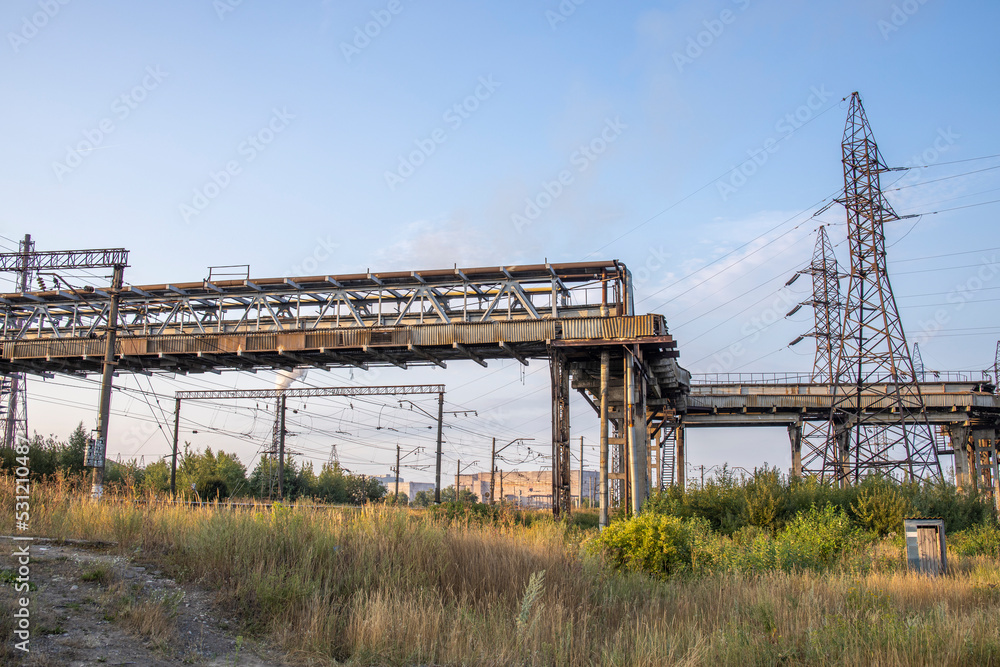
[[533, 591], [101, 574], [393, 586], [149, 616]]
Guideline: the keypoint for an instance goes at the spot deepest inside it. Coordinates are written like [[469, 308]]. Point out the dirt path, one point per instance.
[[93, 607]]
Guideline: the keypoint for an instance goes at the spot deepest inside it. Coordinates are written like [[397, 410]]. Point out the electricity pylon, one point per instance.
[[918, 363], [877, 410], [14, 387], [817, 436]]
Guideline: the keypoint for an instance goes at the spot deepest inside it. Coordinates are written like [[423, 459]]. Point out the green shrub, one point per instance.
[[979, 540], [657, 544], [959, 509], [814, 539], [212, 488], [880, 507], [765, 498]]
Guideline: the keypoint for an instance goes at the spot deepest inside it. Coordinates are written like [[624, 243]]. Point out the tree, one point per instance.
[[331, 484], [423, 499], [397, 499], [72, 455], [195, 469], [156, 476], [212, 488], [464, 496]]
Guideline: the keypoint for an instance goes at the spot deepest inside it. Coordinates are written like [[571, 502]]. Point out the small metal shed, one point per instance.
[[925, 546]]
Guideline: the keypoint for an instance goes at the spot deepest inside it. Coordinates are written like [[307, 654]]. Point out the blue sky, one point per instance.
[[318, 128]]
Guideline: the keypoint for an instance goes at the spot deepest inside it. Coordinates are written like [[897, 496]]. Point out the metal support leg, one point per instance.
[[561, 483]]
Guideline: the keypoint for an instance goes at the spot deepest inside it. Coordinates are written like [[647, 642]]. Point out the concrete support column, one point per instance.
[[958, 434], [637, 433], [982, 442], [842, 437], [795, 439]]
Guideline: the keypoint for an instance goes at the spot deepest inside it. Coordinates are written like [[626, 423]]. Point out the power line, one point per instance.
[[943, 178]]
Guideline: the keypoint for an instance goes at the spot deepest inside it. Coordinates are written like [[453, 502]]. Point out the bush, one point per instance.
[[880, 507], [959, 509], [765, 498], [212, 488], [657, 544], [981, 540], [814, 539]]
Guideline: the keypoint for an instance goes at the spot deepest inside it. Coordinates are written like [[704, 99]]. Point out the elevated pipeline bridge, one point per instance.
[[963, 409], [577, 316]]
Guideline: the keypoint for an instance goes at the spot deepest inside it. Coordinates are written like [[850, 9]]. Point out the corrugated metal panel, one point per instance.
[[262, 342], [613, 328], [591, 327], [39, 349]]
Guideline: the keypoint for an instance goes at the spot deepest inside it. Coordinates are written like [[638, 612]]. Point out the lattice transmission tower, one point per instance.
[[918, 363], [996, 369], [817, 436], [877, 409], [14, 387]]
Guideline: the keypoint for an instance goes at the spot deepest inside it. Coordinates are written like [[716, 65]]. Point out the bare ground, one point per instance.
[[93, 606]]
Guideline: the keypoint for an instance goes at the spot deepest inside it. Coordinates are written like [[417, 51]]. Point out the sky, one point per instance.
[[700, 140]]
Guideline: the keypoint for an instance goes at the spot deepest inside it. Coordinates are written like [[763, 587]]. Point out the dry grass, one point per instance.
[[396, 587], [152, 617]]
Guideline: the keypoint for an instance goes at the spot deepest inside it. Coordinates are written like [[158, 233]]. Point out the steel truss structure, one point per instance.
[[310, 392], [811, 439], [400, 318], [896, 439], [565, 313]]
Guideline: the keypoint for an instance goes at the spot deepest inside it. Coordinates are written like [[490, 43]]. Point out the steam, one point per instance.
[[285, 378]]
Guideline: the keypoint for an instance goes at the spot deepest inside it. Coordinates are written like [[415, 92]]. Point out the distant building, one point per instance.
[[411, 489], [529, 488], [526, 488]]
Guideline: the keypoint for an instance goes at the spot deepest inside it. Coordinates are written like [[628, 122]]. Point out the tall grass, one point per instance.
[[391, 586]]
